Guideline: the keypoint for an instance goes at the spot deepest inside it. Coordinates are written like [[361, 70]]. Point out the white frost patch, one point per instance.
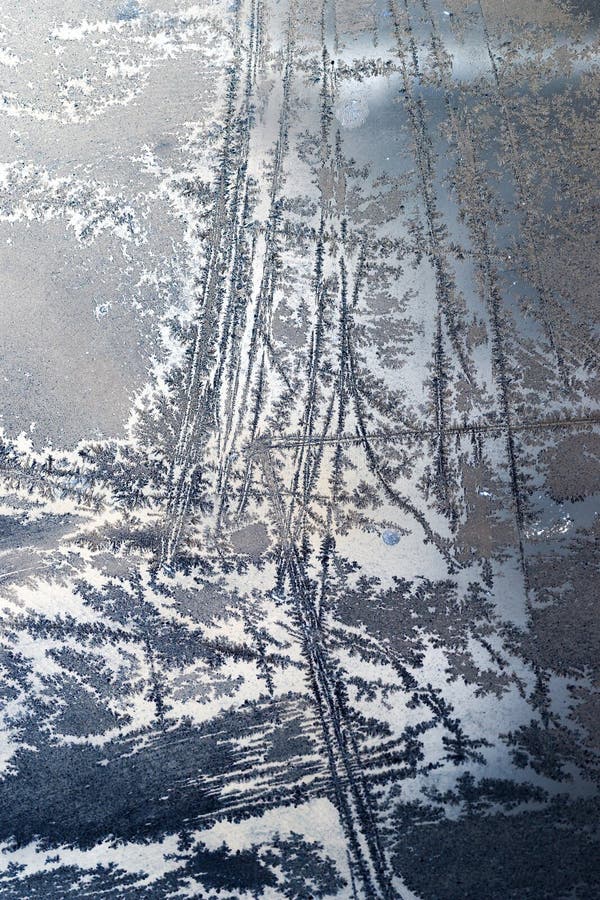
[[8, 59], [317, 820], [149, 860]]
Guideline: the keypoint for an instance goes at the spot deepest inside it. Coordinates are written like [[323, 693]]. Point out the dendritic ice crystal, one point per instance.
[[299, 449]]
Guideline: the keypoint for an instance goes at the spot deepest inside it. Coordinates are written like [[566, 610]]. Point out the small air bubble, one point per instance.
[[390, 537]]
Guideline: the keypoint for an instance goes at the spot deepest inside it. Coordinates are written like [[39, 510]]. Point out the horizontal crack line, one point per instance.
[[263, 444]]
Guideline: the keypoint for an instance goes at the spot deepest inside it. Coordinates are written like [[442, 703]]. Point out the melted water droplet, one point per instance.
[[128, 11], [101, 310], [390, 537], [352, 112]]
